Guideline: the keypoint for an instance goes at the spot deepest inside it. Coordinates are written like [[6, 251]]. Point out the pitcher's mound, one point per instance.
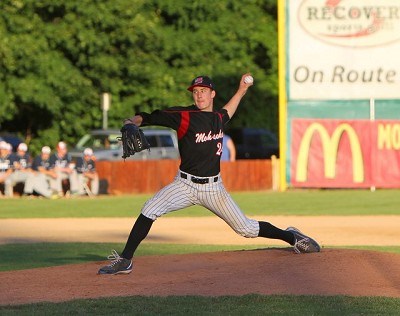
[[263, 271]]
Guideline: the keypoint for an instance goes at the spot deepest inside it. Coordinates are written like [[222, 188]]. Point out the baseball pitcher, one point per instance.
[[200, 129]]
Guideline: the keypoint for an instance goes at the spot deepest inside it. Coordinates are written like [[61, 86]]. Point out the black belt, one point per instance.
[[199, 180]]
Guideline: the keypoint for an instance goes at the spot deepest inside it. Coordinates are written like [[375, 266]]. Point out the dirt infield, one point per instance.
[[263, 271], [328, 230], [268, 271]]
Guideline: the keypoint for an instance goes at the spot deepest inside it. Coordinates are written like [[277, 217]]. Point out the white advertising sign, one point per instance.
[[343, 49]]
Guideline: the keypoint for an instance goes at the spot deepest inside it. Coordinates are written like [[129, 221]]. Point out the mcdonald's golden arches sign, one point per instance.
[[335, 153]]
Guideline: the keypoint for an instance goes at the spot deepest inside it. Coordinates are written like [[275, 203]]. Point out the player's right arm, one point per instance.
[[47, 172], [233, 103]]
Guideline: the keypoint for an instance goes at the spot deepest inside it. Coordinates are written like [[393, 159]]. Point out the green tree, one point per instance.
[[57, 57]]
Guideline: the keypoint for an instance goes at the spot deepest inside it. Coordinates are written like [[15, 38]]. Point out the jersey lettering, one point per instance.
[[202, 137]]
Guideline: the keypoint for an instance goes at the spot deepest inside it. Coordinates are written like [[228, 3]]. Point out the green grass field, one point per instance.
[[225, 305], [303, 202], [314, 202]]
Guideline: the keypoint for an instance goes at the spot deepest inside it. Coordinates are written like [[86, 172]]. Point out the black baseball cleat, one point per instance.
[[303, 243], [118, 265]]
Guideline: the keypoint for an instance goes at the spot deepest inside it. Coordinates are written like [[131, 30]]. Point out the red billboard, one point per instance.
[[331, 153]]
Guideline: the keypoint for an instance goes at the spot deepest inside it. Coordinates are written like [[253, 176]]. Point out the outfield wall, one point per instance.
[[151, 175]]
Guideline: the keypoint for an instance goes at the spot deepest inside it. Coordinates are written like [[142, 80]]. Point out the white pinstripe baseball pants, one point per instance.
[[182, 193]]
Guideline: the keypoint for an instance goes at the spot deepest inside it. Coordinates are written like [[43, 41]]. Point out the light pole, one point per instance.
[[105, 106]]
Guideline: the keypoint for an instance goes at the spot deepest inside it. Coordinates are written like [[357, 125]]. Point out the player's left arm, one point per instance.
[[136, 120], [233, 103]]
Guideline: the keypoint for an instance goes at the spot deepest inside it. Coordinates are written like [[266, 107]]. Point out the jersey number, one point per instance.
[[219, 150]]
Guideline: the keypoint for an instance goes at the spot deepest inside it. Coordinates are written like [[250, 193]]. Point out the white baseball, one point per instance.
[[248, 79]]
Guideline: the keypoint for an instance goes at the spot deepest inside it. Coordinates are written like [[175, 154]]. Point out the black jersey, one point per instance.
[[5, 163], [83, 165], [199, 133], [23, 161], [40, 162], [60, 162]]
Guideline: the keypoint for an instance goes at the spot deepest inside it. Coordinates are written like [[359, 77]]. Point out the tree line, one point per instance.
[[57, 57]]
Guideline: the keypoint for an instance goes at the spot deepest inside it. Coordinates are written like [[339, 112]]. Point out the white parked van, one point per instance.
[[106, 146]]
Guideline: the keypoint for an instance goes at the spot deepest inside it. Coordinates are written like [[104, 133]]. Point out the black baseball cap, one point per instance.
[[202, 81]]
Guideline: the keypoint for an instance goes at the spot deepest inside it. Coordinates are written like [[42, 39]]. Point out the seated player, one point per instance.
[[86, 171], [41, 176], [62, 163]]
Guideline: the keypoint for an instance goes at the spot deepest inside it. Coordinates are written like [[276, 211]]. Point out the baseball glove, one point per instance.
[[133, 140]]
